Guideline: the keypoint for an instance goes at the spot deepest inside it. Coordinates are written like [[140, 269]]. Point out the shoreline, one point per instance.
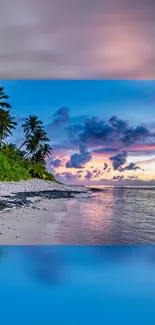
[[23, 193], [26, 207]]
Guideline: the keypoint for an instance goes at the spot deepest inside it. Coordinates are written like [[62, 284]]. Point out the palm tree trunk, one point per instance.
[[26, 137], [22, 145]]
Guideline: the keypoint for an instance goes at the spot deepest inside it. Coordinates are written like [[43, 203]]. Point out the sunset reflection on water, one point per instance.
[[113, 216]]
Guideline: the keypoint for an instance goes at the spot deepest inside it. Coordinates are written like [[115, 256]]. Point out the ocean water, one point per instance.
[[77, 285], [112, 216]]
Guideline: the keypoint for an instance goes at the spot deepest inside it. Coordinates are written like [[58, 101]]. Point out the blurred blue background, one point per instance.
[[77, 285]]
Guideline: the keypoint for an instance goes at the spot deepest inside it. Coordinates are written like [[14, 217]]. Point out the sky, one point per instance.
[[76, 39], [102, 131]]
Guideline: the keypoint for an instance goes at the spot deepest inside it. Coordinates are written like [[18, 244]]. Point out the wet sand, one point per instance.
[[31, 209]]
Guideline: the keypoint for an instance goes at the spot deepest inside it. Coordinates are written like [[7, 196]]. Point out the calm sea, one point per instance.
[[112, 216]]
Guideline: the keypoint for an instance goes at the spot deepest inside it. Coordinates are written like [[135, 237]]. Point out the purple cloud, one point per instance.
[[105, 166], [118, 160], [107, 137], [89, 175], [99, 173], [118, 177], [140, 133], [131, 166], [118, 124], [56, 163], [78, 160], [61, 116], [73, 130], [96, 131], [68, 175], [105, 150]]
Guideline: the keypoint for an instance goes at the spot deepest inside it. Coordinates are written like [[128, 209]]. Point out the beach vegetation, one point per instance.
[[29, 159]]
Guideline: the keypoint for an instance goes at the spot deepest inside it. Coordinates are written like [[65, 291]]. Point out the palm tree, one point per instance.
[[46, 150], [43, 152], [3, 96], [34, 141], [31, 125], [38, 157], [7, 123]]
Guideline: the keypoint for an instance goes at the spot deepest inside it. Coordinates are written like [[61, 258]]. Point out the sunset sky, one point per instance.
[[102, 132]]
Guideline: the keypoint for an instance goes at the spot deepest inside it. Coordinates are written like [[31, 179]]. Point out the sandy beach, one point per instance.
[[41, 212], [30, 209]]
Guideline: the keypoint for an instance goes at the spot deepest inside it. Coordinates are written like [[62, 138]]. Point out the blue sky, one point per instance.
[[96, 142], [131, 99]]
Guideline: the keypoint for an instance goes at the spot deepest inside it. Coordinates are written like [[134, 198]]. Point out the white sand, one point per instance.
[[28, 225]]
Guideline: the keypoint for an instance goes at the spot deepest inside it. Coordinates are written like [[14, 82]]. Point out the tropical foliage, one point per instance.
[[29, 160]]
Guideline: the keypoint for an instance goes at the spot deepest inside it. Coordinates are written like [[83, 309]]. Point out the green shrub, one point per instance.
[[14, 167], [48, 176], [36, 170], [12, 171], [39, 171]]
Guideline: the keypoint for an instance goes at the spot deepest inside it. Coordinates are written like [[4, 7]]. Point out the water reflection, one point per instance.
[[134, 215], [95, 211], [114, 216]]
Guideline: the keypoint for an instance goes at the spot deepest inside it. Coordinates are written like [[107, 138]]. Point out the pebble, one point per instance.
[[24, 193]]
